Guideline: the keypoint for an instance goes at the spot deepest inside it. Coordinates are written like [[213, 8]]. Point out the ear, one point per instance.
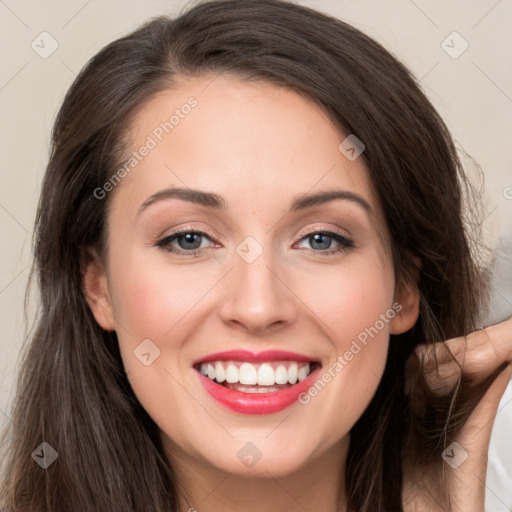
[[408, 296], [95, 288]]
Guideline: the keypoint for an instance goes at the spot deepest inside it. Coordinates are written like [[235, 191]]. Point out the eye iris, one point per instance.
[[317, 236], [189, 240]]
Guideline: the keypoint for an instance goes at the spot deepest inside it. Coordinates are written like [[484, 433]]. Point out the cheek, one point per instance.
[[157, 303], [151, 298], [352, 298], [355, 308], [161, 303]]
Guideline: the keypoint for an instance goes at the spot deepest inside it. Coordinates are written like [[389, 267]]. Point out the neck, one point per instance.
[[318, 486]]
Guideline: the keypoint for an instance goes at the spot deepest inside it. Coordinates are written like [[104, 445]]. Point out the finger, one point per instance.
[[477, 355]]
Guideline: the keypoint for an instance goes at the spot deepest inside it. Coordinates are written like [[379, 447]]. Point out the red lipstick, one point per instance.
[[256, 357], [257, 403]]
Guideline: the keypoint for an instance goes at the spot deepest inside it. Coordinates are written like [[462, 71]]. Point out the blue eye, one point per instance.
[[190, 242], [324, 239]]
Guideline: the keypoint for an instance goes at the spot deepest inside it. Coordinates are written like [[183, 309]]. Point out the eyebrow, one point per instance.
[[217, 202]]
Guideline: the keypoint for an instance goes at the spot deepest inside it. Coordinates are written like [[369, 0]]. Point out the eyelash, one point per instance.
[[194, 253]]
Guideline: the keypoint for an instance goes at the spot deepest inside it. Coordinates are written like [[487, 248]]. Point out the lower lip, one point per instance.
[[256, 403]]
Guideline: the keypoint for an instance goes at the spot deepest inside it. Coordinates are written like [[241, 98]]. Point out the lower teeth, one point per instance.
[[247, 388]]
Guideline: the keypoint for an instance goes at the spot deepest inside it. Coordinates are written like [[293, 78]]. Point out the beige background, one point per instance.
[[473, 93]]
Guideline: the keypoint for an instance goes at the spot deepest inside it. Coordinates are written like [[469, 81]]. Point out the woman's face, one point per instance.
[[250, 277]]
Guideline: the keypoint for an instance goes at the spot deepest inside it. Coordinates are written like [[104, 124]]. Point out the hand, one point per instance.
[[478, 356]]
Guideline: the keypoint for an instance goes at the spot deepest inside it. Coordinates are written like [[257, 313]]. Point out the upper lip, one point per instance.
[[256, 357]]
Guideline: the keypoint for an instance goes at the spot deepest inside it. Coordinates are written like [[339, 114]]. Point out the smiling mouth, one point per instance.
[[264, 377]]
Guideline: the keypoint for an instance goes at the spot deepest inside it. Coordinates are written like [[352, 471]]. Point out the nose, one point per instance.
[[258, 298]]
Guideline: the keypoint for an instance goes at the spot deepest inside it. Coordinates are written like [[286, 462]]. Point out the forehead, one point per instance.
[[256, 144]]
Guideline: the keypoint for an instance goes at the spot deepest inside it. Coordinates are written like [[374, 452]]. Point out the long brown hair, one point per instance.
[[72, 391]]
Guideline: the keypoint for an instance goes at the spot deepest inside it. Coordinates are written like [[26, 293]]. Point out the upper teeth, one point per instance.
[[262, 374]]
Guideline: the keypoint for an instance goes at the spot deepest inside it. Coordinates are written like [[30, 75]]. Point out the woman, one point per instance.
[[284, 360]]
